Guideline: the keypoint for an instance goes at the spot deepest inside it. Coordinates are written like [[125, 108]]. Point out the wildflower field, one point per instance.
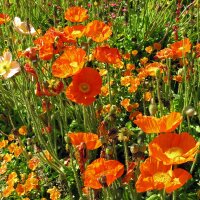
[[99, 100]]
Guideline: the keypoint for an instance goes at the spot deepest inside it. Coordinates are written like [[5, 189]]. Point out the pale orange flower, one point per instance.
[[172, 148]]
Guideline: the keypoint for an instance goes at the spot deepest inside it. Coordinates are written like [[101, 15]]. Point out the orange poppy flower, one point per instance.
[[107, 55], [171, 148], [85, 86], [33, 163], [147, 96], [3, 143], [157, 46], [134, 114], [101, 173], [180, 48], [76, 14], [20, 189], [7, 157], [31, 182], [152, 68], [74, 31], [3, 168], [69, 63], [4, 18], [165, 53], [23, 130], [91, 140], [8, 191], [54, 193], [156, 176], [52, 42], [12, 179], [164, 124], [98, 31], [149, 49]]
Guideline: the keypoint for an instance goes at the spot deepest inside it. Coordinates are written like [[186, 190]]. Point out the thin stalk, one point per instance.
[[159, 95]]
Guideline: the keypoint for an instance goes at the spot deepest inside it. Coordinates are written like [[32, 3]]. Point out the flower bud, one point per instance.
[[190, 111], [153, 107], [134, 148]]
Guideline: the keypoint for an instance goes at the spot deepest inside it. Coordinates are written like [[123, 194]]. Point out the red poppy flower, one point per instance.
[[85, 86], [69, 63], [4, 18], [102, 172], [171, 148], [156, 176], [98, 31], [164, 124], [107, 55], [76, 14], [91, 140]]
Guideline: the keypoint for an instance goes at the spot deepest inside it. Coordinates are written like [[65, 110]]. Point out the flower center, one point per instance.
[[161, 177], [4, 67], [174, 152], [84, 87]]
